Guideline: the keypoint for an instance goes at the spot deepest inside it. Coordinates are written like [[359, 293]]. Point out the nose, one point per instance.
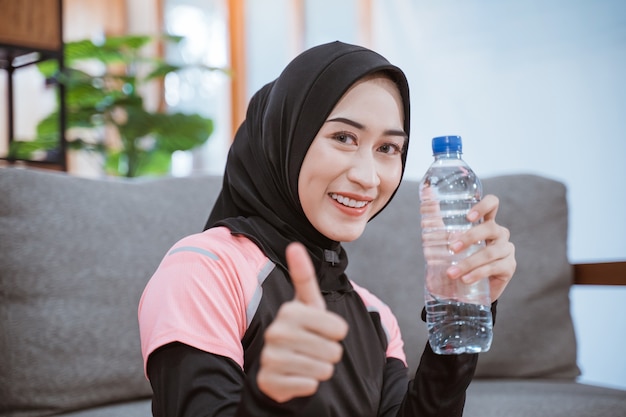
[[364, 170]]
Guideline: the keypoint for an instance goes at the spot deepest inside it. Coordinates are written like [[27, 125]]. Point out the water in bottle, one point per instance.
[[458, 315]]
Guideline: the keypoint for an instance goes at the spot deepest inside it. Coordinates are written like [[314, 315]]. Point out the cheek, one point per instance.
[[311, 186], [390, 176], [389, 182]]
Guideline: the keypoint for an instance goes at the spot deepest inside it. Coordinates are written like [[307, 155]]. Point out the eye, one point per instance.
[[344, 137], [391, 148]]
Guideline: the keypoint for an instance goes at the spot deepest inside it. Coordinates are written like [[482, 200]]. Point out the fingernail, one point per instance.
[[454, 271], [472, 216], [456, 246]]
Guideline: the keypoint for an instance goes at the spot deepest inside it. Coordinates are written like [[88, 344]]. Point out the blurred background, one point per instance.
[[532, 87]]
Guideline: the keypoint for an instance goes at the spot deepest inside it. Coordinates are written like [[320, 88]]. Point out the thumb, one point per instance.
[[303, 276]]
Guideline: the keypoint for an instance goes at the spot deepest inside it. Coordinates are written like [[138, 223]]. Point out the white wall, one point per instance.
[[532, 86]]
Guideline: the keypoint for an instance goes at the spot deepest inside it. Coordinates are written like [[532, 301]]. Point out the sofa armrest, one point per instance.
[[602, 273]]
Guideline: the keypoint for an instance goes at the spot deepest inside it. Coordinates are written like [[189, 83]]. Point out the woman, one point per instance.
[[241, 321]]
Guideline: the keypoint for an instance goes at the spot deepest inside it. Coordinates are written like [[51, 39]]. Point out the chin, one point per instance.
[[345, 236]]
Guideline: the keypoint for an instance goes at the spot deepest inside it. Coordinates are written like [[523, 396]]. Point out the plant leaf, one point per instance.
[[48, 68], [127, 42], [161, 70], [86, 49], [114, 99], [25, 149], [181, 132], [139, 123], [154, 163]]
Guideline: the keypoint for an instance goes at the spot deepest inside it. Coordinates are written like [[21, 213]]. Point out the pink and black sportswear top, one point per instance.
[[202, 319]]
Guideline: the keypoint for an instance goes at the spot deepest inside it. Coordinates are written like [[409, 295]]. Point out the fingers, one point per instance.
[[282, 388], [303, 276], [286, 374], [307, 331], [487, 208], [296, 359], [496, 260], [492, 260], [302, 346], [295, 350], [487, 231]]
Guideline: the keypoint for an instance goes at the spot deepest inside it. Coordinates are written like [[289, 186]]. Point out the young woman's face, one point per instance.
[[354, 163]]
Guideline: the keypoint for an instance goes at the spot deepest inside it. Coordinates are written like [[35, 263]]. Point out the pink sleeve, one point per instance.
[[395, 347], [199, 294]]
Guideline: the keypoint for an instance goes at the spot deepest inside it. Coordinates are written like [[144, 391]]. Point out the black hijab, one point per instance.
[[259, 197]]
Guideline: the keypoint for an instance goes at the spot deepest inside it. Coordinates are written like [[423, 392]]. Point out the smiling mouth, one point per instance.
[[348, 202]]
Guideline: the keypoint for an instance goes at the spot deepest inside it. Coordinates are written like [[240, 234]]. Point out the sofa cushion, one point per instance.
[[75, 255], [140, 408], [534, 334], [542, 398]]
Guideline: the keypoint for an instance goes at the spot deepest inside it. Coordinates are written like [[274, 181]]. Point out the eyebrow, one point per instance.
[[389, 132]]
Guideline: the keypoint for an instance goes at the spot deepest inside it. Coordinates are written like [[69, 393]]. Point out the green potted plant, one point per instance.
[[106, 112]]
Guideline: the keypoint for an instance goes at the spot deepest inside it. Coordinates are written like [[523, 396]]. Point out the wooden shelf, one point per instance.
[[34, 24], [32, 27]]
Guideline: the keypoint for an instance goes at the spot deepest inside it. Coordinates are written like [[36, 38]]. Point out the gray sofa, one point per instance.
[[76, 253]]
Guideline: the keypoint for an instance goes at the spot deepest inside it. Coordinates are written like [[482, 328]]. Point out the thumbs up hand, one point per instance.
[[302, 345]]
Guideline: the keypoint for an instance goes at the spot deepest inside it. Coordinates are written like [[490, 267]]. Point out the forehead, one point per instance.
[[376, 80], [374, 98]]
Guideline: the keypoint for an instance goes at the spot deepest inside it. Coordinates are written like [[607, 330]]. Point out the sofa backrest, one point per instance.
[[76, 253]]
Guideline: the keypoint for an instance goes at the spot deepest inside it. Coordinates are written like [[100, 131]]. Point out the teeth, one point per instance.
[[348, 201]]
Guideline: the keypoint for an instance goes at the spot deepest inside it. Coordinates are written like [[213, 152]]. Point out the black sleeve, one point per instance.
[[188, 382], [438, 388], [395, 381]]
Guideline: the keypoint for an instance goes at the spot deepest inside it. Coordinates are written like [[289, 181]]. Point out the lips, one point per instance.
[[349, 202]]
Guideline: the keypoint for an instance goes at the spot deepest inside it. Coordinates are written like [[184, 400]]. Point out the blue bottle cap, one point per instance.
[[447, 144]]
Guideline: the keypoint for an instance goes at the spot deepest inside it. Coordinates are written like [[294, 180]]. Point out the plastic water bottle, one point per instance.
[[458, 315]]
